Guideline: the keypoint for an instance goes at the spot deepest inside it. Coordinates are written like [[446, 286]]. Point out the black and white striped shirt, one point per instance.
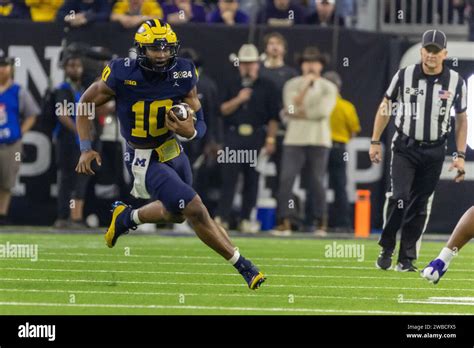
[[422, 103]]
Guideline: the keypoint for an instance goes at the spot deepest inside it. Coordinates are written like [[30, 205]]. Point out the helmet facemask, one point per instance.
[[156, 65]]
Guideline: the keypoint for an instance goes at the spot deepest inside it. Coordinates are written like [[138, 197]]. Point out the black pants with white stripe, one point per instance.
[[415, 172]]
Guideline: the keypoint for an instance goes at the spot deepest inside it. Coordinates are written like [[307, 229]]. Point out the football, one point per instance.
[[180, 111]]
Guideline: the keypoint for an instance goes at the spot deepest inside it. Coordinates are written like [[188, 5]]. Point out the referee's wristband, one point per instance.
[[460, 154], [375, 142], [85, 145]]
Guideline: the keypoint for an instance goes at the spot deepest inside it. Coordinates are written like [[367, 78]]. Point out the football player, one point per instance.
[[462, 234], [145, 89]]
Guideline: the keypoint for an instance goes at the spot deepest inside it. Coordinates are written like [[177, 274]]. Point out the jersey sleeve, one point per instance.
[[109, 74], [194, 76], [393, 90], [460, 103]]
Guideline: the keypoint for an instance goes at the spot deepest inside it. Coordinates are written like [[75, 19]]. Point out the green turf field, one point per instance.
[[78, 274]]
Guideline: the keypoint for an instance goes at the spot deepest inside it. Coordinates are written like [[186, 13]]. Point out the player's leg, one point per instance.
[[462, 234], [176, 190], [125, 218], [155, 212], [208, 231]]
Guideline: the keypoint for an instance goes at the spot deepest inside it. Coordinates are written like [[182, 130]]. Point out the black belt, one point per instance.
[[417, 143]]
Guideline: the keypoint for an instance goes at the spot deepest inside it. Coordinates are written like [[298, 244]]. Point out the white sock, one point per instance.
[[234, 258], [135, 217], [446, 255]]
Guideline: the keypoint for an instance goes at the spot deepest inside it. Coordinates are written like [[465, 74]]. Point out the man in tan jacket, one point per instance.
[[308, 100]]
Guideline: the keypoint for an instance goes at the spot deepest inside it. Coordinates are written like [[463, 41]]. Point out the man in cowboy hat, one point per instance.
[[250, 111], [308, 102]]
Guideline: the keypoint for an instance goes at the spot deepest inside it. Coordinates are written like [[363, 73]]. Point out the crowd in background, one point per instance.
[[132, 12]]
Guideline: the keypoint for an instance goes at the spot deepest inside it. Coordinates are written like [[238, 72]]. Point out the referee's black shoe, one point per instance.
[[406, 266], [384, 260]]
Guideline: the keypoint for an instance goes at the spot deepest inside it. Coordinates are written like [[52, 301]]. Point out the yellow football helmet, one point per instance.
[[158, 35]]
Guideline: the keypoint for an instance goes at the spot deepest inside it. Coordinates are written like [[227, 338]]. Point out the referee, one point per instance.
[[420, 98]]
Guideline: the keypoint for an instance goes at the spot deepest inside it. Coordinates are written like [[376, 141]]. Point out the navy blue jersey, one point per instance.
[[143, 98]]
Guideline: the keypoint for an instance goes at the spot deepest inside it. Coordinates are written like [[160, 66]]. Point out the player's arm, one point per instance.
[[97, 94], [382, 118], [187, 129]]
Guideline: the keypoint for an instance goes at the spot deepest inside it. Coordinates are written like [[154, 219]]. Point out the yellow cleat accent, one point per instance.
[[257, 281], [110, 235]]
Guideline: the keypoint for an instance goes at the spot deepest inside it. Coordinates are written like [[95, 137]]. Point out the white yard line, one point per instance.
[[353, 259], [219, 274], [176, 294], [267, 285], [220, 308], [467, 299], [223, 264], [209, 257], [437, 302]]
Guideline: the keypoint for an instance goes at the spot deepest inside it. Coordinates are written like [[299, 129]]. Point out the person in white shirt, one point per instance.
[[308, 101]]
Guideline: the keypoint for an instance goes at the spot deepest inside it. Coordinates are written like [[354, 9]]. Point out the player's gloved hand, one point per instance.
[[458, 163], [184, 128], [84, 164]]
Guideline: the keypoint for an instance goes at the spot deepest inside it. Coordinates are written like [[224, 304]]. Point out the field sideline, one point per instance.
[[149, 274]]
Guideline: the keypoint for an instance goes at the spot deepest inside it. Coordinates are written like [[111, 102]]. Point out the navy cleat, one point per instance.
[[251, 274], [434, 271], [121, 223]]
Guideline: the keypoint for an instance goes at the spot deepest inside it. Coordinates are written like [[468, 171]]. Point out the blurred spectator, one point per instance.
[[402, 14], [13, 9], [281, 13], [131, 13], [274, 67], [308, 100], [44, 10], [80, 12], [228, 12], [454, 7], [344, 125], [71, 186], [252, 7], [250, 122], [202, 153], [209, 98], [183, 11], [346, 11], [325, 14], [18, 112]]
